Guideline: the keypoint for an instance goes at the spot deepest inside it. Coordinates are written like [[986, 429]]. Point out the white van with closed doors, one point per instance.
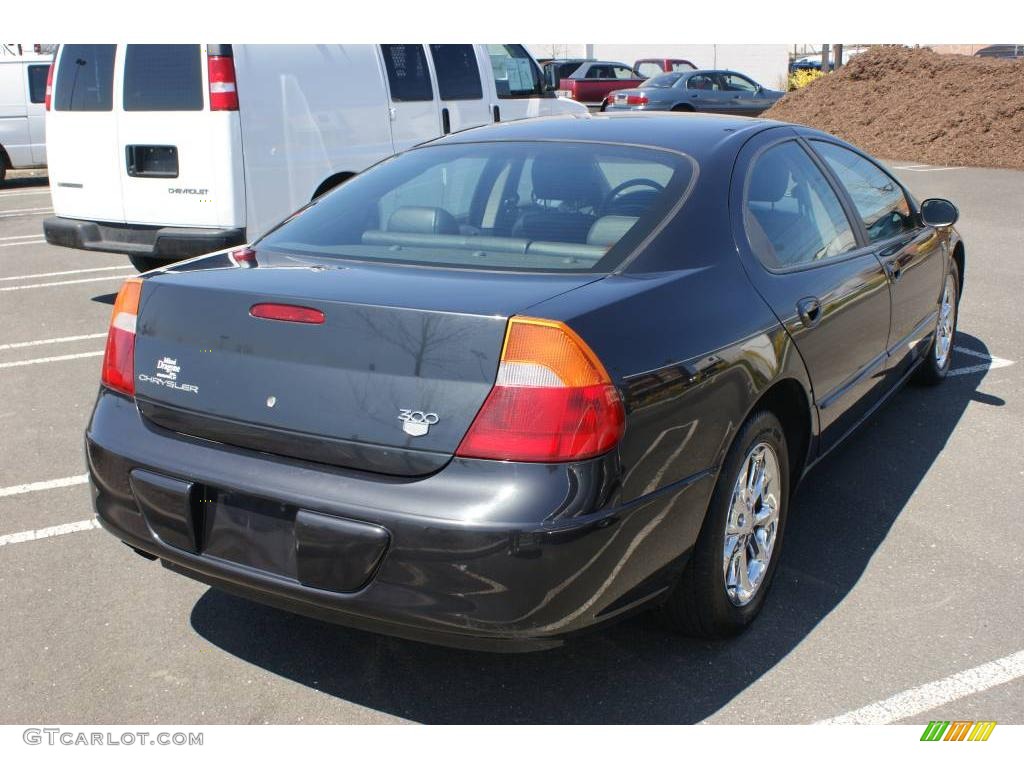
[[169, 151], [23, 72]]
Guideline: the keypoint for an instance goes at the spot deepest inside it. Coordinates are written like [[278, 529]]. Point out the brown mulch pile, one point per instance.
[[912, 104]]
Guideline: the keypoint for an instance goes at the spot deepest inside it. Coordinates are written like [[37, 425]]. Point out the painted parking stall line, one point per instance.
[[24, 242], [929, 696], [57, 340], [64, 282], [39, 275], [991, 362], [52, 359], [49, 532], [43, 485], [24, 212]]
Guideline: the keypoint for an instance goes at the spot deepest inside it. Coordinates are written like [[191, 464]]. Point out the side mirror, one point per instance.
[[936, 212]]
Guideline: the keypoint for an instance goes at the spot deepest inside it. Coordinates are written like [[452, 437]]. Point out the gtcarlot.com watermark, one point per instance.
[[81, 738]]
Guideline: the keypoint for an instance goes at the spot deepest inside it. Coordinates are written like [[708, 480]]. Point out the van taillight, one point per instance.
[[223, 93], [553, 401], [49, 86], [119, 357]]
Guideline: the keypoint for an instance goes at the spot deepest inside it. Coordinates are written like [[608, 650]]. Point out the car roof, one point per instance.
[[696, 134]]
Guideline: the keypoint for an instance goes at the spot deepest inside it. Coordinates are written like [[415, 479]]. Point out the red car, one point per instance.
[[591, 83]]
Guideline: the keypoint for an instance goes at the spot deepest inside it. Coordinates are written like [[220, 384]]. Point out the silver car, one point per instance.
[[704, 90]]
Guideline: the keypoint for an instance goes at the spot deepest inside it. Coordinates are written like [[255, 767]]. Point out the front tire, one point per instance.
[[935, 366], [724, 585]]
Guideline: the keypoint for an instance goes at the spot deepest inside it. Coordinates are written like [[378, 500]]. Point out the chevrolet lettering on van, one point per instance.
[[187, 191], [167, 370]]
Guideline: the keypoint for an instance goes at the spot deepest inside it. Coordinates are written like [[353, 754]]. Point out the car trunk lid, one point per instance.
[[389, 381]]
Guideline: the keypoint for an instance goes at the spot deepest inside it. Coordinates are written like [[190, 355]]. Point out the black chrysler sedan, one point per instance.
[[525, 379]]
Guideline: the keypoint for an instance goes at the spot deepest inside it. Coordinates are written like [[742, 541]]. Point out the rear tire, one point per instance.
[[732, 564], [935, 366], [682, 108], [146, 263]]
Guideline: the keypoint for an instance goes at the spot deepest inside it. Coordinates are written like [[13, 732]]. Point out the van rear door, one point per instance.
[[179, 161], [82, 147]]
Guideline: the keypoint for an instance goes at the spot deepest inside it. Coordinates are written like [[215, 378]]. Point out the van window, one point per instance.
[[458, 77], [163, 78], [37, 83], [85, 79], [408, 76], [515, 73], [583, 207]]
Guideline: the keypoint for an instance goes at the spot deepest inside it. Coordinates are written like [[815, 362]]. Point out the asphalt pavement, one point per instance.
[[902, 565]]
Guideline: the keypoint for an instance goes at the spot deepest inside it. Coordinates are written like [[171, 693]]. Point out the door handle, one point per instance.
[[446, 121], [893, 269], [497, 113], [809, 310]]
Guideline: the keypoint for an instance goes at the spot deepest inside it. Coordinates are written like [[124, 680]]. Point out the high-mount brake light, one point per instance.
[[553, 400], [119, 357], [290, 313]]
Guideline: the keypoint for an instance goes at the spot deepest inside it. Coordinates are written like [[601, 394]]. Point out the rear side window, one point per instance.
[[458, 77], [163, 78], [527, 206], [37, 83], [85, 79], [408, 76], [879, 200], [791, 213], [649, 69], [515, 73]]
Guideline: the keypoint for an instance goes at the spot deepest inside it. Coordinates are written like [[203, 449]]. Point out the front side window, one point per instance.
[[791, 214], [408, 76], [163, 78], [458, 77], [648, 69], [37, 83], [515, 73], [879, 200], [738, 83], [85, 79], [535, 206]]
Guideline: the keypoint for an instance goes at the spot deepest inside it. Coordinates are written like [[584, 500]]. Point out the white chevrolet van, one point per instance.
[[169, 151], [22, 94]]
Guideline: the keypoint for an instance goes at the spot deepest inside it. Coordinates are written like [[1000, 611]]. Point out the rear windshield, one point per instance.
[[533, 206], [162, 78], [662, 81], [85, 79]]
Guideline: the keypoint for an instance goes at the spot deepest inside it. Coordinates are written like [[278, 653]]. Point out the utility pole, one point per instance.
[[838, 48], [824, 59]]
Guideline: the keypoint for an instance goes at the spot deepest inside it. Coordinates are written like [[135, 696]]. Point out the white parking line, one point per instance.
[[61, 282], [23, 212], [20, 237], [66, 272], [45, 533], [24, 242], [43, 485], [990, 364], [55, 359], [23, 192], [58, 340], [925, 698], [926, 168]]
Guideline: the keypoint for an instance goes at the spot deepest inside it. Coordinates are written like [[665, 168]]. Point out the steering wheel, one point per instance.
[[617, 191]]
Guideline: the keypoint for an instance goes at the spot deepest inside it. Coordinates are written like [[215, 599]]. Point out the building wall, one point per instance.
[[767, 64]]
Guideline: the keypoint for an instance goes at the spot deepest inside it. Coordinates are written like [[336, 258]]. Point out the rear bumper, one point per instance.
[[171, 243], [484, 555]]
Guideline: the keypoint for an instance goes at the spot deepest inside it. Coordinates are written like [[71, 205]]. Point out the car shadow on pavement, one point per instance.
[[24, 182], [636, 671]]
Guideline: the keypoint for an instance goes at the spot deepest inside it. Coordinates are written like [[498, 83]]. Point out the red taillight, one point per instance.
[[287, 312], [553, 400], [636, 99], [49, 87], [223, 93], [119, 358]]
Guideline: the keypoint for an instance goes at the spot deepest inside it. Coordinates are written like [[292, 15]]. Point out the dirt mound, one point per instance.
[[912, 104]]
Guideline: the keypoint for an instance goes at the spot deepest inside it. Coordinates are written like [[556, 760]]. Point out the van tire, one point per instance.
[[146, 263]]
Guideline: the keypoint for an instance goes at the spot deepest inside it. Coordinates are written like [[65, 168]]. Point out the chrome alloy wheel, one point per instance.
[[947, 323], [752, 524]]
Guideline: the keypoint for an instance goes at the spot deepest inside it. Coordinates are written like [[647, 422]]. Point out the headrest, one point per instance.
[[608, 230], [770, 178], [423, 220], [567, 177]]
